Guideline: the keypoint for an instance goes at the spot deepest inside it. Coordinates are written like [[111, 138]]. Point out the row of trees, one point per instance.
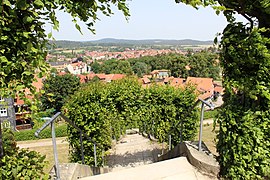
[[105, 111], [201, 64]]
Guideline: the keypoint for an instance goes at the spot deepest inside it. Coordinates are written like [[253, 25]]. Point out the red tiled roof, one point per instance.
[[154, 72], [205, 95], [203, 84], [62, 73], [117, 76], [38, 84], [146, 80], [158, 71], [219, 89], [177, 82], [101, 76], [82, 78]]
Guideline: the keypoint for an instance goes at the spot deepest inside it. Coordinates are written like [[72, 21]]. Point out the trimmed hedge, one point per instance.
[[60, 131], [105, 111]]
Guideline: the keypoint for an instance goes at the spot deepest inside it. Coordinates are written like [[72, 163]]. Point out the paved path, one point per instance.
[[208, 121], [132, 151], [40, 143]]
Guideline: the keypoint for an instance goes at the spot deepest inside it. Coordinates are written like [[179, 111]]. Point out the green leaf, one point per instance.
[[78, 28], [50, 35], [38, 3]]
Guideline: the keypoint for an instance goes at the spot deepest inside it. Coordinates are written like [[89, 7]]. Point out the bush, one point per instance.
[[60, 131], [20, 163]]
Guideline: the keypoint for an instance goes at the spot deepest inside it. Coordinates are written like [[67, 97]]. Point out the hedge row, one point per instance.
[[60, 131], [105, 111]]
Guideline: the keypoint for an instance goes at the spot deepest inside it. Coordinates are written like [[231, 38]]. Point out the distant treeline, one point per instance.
[[201, 64], [107, 42]]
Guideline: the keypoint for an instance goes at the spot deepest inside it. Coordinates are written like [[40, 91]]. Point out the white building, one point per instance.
[[78, 68]]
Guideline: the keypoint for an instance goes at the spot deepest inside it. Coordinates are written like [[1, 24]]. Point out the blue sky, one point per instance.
[[150, 19]]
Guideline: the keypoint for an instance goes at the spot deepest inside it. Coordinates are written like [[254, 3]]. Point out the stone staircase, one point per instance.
[[177, 168], [136, 157]]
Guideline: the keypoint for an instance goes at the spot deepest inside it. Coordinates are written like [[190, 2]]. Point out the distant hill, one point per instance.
[[122, 42], [153, 41]]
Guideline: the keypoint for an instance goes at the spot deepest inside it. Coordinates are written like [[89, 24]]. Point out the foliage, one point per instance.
[[86, 109], [243, 140], [9, 142], [163, 107], [244, 136], [211, 114], [112, 66], [60, 131], [105, 111], [20, 163], [57, 88], [23, 41], [141, 68], [201, 64]]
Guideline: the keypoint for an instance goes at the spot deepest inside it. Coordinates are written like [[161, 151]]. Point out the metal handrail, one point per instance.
[[82, 133], [175, 127]]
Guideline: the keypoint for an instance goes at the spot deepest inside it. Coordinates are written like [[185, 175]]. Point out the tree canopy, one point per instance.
[[57, 90], [23, 39], [200, 64]]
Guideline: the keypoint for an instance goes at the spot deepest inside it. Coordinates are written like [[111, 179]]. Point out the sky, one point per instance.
[[150, 19]]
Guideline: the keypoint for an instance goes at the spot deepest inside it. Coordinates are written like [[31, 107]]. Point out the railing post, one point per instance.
[[152, 128], [181, 131], [103, 160], [170, 142], [1, 142], [95, 154], [56, 166], [81, 142], [201, 126], [144, 127]]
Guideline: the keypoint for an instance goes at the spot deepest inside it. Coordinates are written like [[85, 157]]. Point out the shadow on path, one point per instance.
[[133, 159], [132, 151]]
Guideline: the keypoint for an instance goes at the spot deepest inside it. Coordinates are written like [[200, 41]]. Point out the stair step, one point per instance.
[[178, 168]]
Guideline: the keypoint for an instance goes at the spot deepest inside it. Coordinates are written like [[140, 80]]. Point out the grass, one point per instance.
[[40, 140], [62, 150], [210, 114]]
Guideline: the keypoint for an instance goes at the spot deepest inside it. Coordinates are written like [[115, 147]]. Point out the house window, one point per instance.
[[3, 112]]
